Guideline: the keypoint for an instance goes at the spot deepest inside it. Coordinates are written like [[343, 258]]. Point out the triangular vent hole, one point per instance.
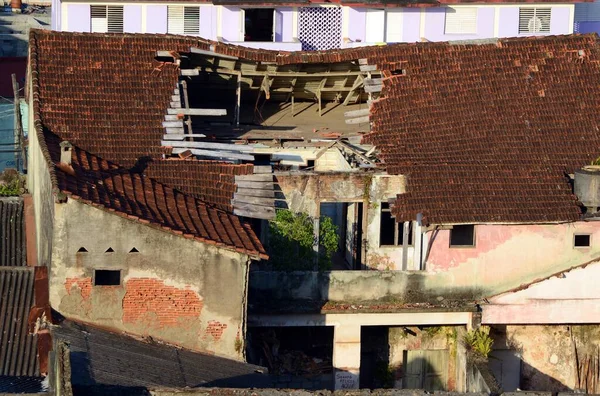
[[134, 250], [82, 250], [109, 250]]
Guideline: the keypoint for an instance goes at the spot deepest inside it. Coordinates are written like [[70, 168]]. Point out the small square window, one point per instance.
[[462, 235], [582, 240], [107, 277]]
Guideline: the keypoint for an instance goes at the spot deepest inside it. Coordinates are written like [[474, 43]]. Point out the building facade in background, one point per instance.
[[317, 26]]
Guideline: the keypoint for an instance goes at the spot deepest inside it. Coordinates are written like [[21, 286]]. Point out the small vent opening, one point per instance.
[[82, 250], [109, 250], [134, 250]]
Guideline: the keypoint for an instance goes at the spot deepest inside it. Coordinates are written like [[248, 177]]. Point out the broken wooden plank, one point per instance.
[[357, 113], [189, 72], [373, 88], [174, 131], [164, 54], [172, 124], [359, 120], [175, 104], [367, 68], [363, 61], [245, 199], [199, 51], [181, 136], [255, 177], [171, 117], [265, 215], [259, 185], [198, 112], [216, 154], [251, 192], [373, 81], [210, 146], [263, 169]]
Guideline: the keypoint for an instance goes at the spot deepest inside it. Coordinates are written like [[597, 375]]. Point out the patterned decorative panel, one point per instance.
[[320, 28]]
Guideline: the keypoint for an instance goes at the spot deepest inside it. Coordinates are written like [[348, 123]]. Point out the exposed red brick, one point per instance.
[[84, 285], [215, 330], [145, 296]]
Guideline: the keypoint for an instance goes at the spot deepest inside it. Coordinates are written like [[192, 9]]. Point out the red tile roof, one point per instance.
[[484, 133], [141, 198]]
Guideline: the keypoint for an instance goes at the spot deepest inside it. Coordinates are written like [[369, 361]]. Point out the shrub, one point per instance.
[[11, 183], [479, 341]]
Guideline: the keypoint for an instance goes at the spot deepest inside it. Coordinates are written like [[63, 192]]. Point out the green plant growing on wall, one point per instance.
[[11, 183], [291, 239], [596, 161], [479, 341]]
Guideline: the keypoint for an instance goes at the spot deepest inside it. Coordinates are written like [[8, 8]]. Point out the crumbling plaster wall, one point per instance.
[[505, 256], [549, 354], [304, 192], [175, 289]]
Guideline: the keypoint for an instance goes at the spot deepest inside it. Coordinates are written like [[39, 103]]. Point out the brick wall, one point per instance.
[[83, 284], [167, 304]]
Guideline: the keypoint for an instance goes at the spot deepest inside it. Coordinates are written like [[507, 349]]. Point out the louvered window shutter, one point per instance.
[[184, 20], [587, 12], [461, 20], [107, 19], [534, 20]]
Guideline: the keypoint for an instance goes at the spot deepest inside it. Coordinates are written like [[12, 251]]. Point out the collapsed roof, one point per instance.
[[484, 132]]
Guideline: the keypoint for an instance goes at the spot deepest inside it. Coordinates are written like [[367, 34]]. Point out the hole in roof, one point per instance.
[[134, 250], [82, 250], [397, 72], [109, 250]]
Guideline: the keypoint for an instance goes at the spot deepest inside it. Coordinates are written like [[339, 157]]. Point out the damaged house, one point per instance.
[[160, 162]]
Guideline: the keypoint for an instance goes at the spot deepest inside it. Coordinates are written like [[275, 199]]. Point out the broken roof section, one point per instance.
[[485, 136]]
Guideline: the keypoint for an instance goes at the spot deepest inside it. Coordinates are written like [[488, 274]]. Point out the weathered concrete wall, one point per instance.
[[175, 289], [39, 185], [550, 355], [505, 254]]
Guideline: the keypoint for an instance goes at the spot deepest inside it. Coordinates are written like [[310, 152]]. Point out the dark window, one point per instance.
[[391, 233], [107, 278], [582, 240], [462, 235], [258, 24]]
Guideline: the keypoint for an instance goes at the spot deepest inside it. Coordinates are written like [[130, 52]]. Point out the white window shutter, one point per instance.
[[534, 19], [461, 20], [191, 21], [115, 19], [175, 19], [394, 26], [99, 19], [375, 26]]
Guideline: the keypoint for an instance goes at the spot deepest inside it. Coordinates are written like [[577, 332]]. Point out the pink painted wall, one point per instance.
[[506, 256]]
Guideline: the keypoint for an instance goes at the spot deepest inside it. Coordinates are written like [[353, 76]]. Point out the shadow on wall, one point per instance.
[[534, 380]]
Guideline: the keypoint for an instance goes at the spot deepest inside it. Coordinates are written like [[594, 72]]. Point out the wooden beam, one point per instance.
[[359, 120], [164, 54], [198, 51], [363, 61], [263, 169], [255, 177], [252, 73], [254, 208], [181, 136], [174, 131], [209, 146], [216, 154], [244, 199], [373, 81], [259, 185], [172, 124], [357, 113], [252, 192], [357, 84], [175, 104], [198, 112], [373, 88], [365, 68], [254, 214]]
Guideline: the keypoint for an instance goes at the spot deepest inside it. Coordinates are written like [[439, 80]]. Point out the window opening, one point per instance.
[[582, 240], [106, 19], [462, 235], [82, 250], [461, 20], [258, 24], [183, 20], [391, 233], [534, 19], [107, 277]]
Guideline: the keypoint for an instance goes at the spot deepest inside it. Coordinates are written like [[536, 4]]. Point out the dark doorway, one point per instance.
[[258, 24], [347, 217], [375, 358]]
